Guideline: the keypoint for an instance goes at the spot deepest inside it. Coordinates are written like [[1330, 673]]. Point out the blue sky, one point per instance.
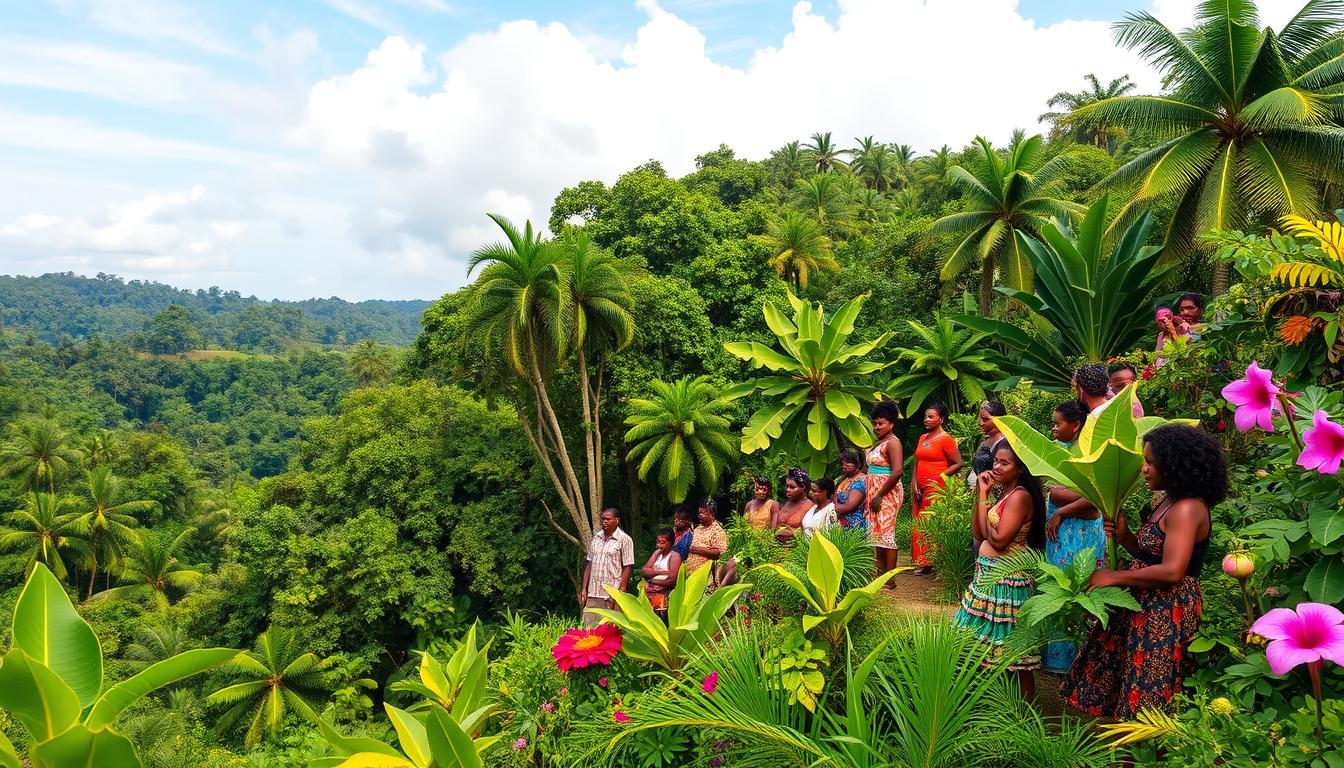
[[352, 147]]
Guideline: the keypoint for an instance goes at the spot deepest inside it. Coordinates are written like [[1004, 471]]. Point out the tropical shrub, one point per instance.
[[951, 367], [692, 618], [817, 396], [51, 681], [946, 526], [1087, 304], [681, 434]]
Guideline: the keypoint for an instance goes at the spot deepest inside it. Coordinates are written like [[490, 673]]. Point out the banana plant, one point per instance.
[[817, 394], [1105, 463], [692, 619], [829, 611], [51, 681], [1085, 304], [441, 731]]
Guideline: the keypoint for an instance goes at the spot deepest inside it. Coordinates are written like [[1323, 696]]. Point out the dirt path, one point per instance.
[[913, 594]]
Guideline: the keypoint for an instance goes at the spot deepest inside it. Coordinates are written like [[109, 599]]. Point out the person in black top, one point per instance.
[[1142, 658]]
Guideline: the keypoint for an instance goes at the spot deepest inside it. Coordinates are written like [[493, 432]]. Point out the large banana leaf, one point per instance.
[[36, 696], [155, 676], [51, 633], [81, 746]]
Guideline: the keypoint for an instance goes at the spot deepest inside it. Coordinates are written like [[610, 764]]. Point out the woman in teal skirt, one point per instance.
[[1072, 524], [1015, 522]]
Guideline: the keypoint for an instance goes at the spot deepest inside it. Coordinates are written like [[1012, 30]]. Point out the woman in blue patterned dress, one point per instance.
[[851, 491], [1072, 525]]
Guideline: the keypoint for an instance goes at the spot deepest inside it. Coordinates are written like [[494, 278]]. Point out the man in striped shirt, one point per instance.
[[611, 557]]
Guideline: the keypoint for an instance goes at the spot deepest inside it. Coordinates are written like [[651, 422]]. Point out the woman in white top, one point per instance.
[[822, 513], [660, 572]]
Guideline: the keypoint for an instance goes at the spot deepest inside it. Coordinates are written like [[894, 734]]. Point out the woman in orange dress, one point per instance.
[[885, 491], [936, 458]]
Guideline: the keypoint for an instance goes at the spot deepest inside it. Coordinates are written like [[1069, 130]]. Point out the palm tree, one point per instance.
[[602, 303], [270, 679], [871, 206], [38, 450], [152, 568], [110, 521], [156, 642], [681, 432], [102, 447], [792, 161], [952, 366], [1253, 117], [797, 248], [875, 164], [1006, 195], [824, 153], [47, 530], [371, 363], [1097, 134], [904, 155], [823, 197]]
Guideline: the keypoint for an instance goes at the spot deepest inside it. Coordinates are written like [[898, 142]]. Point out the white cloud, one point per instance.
[[171, 232], [504, 119], [63, 134], [151, 20]]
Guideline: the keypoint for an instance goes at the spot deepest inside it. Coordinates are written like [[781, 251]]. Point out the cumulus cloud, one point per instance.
[[171, 232], [507, 117]]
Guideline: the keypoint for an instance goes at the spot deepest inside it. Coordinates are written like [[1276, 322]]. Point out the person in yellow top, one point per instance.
[[708, 541], [761, 510]]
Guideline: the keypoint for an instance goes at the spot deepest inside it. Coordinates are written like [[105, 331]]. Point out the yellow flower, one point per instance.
[[1221, 706]]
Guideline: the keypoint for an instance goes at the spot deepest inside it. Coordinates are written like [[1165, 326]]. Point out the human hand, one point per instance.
[[985, 481], [1102, 577], [1052, 527]]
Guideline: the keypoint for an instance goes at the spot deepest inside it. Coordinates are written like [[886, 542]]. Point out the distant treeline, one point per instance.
[[66, 304]]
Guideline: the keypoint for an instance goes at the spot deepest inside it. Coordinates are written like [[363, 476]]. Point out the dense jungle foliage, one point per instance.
[[384, 504]]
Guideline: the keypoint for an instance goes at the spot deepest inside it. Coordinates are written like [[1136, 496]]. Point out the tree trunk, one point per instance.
[[632, 481], [93, 574], [986, 287], [1220, 278]]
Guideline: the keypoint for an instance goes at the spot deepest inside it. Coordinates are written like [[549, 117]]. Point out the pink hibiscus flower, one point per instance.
[[1307, 634], [1323, 448], [1254, 397]]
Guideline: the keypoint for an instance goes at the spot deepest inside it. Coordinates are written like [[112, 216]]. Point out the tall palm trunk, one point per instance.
[[1220, 278]]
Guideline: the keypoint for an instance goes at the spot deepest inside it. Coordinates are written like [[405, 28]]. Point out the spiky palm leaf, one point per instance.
[[797, 247], [1327, 268], [952, 366], [48, 529], [601, 300], [111, 522], [37, 452], [824, 153], [152, 569], [1148, 724], [1252, 115], [823, 197], [1006, 196], [681, 434], [269, 680], [1100, 135]]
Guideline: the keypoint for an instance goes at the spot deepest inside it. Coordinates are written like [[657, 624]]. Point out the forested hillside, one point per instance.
[[56, 305]]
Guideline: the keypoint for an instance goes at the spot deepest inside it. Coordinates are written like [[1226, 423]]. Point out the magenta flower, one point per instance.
[[710, 682], [1254, 397], [602, 681], [1323, 448], [1312, 632], [621, 717], [548, 706], [519, 745]]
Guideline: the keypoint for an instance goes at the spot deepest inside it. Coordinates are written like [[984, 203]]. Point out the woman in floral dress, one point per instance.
[[1142, 658], [885, 491], [851, 491]]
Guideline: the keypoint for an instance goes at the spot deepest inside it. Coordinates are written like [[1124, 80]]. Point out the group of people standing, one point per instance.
[[1140, 658]]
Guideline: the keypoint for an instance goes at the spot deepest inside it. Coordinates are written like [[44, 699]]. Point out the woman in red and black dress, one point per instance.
[[1142, 658]]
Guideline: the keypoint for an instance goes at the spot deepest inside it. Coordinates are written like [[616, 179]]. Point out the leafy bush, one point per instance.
[[946, 526]]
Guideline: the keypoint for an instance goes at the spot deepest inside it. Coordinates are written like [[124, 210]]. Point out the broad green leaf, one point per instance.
[[777, 321], [1116, 596], [841, 404], [857, 431], [764, 426], [450, 745], [1041, 455], [760, 355], [36, 696], [818, 427], [824, 569], [1040, 607], [376, 760], [155, 676], [50, 632], [347, 746], [797, 584], [1116, 422], [8, 757], [1325, 581], [1326, 524], [79, 746], [411, 735]]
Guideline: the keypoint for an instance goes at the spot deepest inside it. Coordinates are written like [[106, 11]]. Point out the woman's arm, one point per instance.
[[669, 577], [1014, 513], [979, 520], [1183, 520], [953, 455], [1119, 530], [649, 571]]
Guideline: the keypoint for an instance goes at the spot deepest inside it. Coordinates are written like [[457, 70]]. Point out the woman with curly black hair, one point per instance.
[[1141, 659], [885, 491]]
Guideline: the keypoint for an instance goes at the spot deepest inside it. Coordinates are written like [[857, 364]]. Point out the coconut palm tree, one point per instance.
[[871, 206], [797, 248], [1005, 195], [1252, 115], [681, 434], [110, 521], [48, 529], [102, 447], [1098, 134], [825, 155], [904, 155], [602, 306], [37, 452], [152, 569], [371, 363], [156, 642], [823, 198], [950, 366], [792, 161], [269, 680]]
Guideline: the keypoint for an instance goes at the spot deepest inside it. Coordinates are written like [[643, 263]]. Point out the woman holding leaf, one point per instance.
[[1015, 522], [1140, 659]]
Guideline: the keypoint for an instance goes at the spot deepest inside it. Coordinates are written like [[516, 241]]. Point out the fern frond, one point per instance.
[[1302, 274], [1329, 235]]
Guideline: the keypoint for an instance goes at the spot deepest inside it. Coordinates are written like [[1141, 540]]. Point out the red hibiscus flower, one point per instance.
[[579, 648]]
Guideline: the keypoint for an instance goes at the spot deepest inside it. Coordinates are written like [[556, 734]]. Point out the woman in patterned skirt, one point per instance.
[[1015, 522], [1141, 659], [885, 491]]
